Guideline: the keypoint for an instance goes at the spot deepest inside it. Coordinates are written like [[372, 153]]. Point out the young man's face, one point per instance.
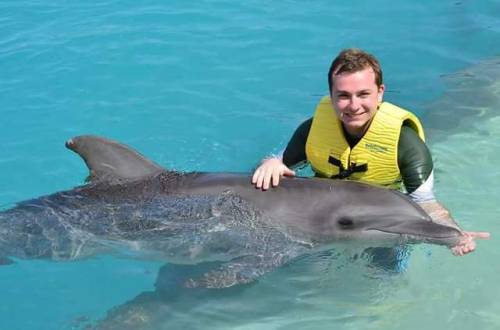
[[355, 97]]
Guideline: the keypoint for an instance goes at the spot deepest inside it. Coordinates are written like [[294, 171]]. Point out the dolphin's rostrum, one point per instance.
[[132, 206]]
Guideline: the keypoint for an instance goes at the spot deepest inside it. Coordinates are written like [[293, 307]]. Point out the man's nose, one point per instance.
[[354, 103]]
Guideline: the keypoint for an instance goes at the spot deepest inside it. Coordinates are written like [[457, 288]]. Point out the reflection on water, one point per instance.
[[471, 99], [332, 287]]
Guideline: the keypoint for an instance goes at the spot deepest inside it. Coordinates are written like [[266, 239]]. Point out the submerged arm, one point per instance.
[[415, 163], [441, 215]]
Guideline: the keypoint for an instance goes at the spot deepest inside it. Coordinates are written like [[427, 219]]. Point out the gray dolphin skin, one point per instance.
[[133, 207]]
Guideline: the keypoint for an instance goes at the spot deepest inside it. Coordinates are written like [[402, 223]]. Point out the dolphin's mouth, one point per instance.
[[419, 229], [426, 235]]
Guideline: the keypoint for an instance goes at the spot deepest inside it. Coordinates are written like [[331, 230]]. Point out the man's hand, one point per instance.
[[467, 243], [270, 171], [441, 215]]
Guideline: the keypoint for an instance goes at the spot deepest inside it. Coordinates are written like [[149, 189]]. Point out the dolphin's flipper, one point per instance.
[[111, 161], [140, 313], [155, 309], [242, 270]]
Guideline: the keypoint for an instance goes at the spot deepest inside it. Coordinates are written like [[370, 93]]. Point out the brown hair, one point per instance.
[[352, 60]]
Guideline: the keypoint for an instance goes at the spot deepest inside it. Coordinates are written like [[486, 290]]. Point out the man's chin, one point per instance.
[[355, 127], [354, 124]]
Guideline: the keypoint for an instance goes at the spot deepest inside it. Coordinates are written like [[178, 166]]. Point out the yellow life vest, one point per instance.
[[374, 159]]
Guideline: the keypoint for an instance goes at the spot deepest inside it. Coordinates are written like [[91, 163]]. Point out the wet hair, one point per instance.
[[352, 60]]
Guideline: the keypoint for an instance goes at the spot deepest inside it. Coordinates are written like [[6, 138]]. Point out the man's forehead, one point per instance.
[[362, 79]]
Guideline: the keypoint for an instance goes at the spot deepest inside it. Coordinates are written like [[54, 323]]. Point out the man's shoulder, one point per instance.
[[410, 135], [302, 131], [306, 125]]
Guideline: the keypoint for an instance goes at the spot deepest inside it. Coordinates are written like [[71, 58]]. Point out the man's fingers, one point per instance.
[[468, 248], [270, 173], [260, 180], [255, 176], [457, 251], [276, 178], [479, 234], [266, 180], [468, 245]]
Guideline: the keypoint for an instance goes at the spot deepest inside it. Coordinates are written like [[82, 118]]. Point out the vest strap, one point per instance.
[[346, 172]]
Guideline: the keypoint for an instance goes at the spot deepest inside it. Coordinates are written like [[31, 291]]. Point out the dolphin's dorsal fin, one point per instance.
[[111, 161]]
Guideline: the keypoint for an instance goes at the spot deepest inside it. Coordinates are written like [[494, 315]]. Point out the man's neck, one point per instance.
[[352, 139]]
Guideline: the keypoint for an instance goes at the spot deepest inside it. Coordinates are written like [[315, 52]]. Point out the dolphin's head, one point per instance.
[[361, 212], [383, 225]]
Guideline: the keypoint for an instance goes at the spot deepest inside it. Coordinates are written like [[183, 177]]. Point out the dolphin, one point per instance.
[[133, 207]]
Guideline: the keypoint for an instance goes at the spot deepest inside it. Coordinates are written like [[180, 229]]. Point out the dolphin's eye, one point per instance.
[[346, 223]]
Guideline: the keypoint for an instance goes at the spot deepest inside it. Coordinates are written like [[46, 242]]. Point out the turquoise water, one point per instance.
[[217, 85]]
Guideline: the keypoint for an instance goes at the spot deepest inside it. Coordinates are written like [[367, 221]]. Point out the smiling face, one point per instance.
[[355, 97]]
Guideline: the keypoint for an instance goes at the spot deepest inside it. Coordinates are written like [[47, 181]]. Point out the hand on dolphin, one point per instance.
[[467, 243], [439, 214], [270, 171]]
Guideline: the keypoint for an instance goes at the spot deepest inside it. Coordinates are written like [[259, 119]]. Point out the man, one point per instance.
[[354, 135]]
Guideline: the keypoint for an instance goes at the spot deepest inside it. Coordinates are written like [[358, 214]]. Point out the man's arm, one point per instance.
[[295, 152], [441, 215], [272, 169], [416, 167]]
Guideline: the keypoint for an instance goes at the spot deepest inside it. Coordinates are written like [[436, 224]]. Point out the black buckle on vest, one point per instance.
[[346, 172]]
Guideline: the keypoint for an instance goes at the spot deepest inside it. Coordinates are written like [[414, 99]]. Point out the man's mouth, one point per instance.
[[353, 115]]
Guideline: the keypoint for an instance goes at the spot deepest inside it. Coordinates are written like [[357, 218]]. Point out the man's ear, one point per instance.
[[381, 90]]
